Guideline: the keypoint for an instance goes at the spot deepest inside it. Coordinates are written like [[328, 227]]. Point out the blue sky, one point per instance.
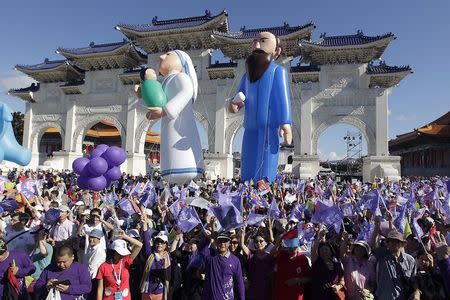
[[32, 30]]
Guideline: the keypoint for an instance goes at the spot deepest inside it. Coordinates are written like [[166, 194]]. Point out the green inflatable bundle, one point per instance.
[[153, 93]]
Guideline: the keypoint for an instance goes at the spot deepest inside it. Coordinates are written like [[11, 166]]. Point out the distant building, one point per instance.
[[425, 151]]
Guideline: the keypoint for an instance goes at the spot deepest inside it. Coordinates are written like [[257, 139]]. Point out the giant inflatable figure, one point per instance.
[[264, 94], [181, 151], [10, 149]]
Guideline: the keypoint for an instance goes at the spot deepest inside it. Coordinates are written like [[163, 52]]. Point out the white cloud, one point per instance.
[[329, 155], [14, 80], [405, 118]]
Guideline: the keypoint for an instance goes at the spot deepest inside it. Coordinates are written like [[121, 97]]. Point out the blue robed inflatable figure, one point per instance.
[[10, 149], [264, 93]]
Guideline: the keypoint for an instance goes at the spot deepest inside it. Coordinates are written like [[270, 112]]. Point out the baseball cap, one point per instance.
[[97, 233], [120, 246], [162, 236], [133, 233], [64, 208], [38, 207], [79, 203]]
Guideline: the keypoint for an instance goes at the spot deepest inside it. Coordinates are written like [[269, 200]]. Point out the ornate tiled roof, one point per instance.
[[25, 93], [161, 25], [34, 87], [105, 56], [304, 69], [251, 33], [52, 71], [382, 68], [348, 40], [46, 65], [100, 48]]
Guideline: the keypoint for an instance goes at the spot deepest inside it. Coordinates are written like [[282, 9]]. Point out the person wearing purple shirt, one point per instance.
[[70, 278], [156, 275], [223, 273], [23, 265], [443, 263]]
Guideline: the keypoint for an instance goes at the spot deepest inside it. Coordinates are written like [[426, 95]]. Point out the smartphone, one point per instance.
[[64, 282]]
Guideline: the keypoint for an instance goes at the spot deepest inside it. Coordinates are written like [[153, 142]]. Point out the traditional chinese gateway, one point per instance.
[[340, 79]]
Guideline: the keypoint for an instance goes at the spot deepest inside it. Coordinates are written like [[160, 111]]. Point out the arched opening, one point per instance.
[[103, 132], [152, 146], [340, 148], [51, 141]]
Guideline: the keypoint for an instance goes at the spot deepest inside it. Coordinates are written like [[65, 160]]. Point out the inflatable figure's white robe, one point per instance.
[[181, 151]]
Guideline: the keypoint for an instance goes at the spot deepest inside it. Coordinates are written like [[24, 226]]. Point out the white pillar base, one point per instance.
[[305, 166], [219, 165], [135, 164], [387, 167]]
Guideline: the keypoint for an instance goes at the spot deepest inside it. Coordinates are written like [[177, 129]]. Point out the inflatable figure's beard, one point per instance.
[[257, 63]]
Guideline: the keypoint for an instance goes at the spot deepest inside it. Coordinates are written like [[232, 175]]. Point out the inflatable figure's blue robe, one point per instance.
[[267, 107]]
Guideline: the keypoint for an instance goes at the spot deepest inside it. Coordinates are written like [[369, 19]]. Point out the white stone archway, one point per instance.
[[39, 131], [231, 131], [86, 123], [348, 120]]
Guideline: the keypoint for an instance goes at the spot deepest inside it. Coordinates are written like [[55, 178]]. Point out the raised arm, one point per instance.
[[136, 245], [242, 242], [315, 248], [344, 246]]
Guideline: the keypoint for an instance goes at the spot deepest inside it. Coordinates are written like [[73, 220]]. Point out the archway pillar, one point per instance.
[[305, 166], [221, 118], [135, 163], [387, 167]]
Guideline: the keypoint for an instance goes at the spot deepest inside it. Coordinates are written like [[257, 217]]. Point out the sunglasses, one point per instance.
[[234, 242]]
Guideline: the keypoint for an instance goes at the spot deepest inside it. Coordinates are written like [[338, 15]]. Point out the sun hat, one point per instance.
[[120, 246], [97, 233]]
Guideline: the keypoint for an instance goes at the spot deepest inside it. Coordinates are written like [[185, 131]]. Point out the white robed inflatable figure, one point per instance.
[[181, 151]]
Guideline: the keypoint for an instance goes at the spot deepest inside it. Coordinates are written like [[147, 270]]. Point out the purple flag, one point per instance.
[[228, 216], [52, 215], [400, 220], [148, 199], [366, 232], [274, 212], [187, 219], [9, 205], [126, 206], [347, 209], [300, 186], [255, 219], [176, 208]]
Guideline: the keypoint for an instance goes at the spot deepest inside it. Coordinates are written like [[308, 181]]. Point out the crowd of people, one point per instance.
[[223, 239]]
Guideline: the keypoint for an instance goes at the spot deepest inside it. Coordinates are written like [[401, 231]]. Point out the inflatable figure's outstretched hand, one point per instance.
[[286, 133], [237, 103], [155, 113], [137, 90]]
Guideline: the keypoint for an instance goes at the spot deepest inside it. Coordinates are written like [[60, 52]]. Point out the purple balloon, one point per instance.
[[108, 182], [102, 146], [113, 173], [97, 183], [97, 166], [79, 164], [82, 182], [115, 156], [86, 172]]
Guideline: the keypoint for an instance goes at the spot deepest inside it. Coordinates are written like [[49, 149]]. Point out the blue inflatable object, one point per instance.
[[10, 149]]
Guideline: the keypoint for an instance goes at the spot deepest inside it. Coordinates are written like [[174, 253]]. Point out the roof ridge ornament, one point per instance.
[[242, 28], [155, 20], [207, 13], [323, 35], [285, 24], [91, 44], [359, 32], [46, 60]]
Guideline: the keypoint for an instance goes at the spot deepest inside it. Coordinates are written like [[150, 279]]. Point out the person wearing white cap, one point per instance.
[[359, 268], [113, 275], [156, 275], [95, 256]]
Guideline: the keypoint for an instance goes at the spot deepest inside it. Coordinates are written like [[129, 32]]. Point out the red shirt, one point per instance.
[[106, 273], [285, 269]]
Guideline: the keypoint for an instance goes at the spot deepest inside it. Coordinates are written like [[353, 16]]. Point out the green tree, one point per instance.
[[17, 125]]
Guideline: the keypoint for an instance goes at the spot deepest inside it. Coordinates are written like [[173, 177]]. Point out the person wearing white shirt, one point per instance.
[[95, 223], [64, 229], [96, 255]]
